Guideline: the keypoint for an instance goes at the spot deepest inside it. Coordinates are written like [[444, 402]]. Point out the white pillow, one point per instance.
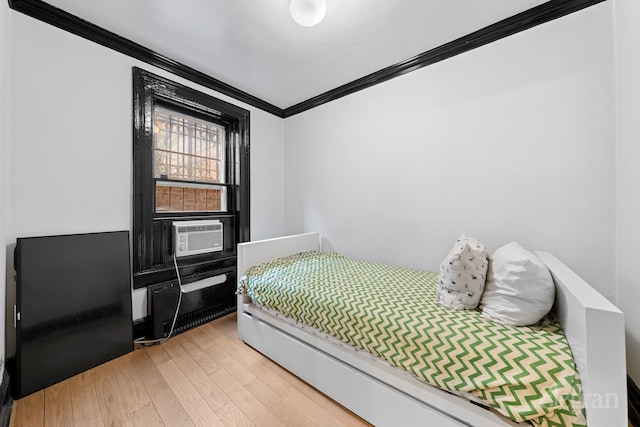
[[462, 274], [519, 289]]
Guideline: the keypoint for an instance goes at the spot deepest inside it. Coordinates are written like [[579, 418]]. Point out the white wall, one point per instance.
[[70, 150], [4, 138], [627, 16], [511, 141]]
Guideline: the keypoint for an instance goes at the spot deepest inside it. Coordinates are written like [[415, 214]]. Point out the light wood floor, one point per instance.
[[204, 377]]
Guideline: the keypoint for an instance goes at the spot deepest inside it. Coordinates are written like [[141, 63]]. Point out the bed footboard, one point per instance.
[[254, 253], [594, 328]]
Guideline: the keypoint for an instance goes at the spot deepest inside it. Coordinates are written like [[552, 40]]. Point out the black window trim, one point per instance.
[[148, 90]]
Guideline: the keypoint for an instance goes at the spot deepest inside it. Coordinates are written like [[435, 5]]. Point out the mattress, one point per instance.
[[524, 373]]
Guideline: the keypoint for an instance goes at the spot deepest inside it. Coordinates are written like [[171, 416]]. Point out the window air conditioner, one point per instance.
[[196, 237]]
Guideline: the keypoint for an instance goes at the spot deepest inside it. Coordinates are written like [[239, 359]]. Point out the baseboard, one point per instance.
[[142, 328], [6, 399], [633, 394]]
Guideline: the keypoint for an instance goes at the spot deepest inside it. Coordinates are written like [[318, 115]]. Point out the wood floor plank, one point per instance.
[[274, 402], [113, 404], [231, 415], [216, 330], [268, 376], [230, 364], [197, 408], [147, 416], [248, 404], [158, 353], [165, 401], [130, 384], [209, 390], [29, 411], [228, 325], [265, 394], [203, 358], [292, 415], [233, 346], [58, 408], [84, 400], [201, 338]]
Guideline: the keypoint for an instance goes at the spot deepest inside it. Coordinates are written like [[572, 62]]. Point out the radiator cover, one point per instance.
[[202, 301]]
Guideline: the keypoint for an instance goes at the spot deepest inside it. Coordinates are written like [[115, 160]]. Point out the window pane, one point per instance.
[[187, 197], [201, 199], [162, 199], [176, 199], [187, 148]]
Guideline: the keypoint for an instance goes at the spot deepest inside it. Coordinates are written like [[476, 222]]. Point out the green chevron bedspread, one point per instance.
[[524, 373]]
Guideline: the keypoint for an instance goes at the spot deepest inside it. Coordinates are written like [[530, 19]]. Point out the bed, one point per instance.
[[381, 395]]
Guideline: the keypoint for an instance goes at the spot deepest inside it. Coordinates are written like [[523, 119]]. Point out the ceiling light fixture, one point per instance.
[[308, 12]]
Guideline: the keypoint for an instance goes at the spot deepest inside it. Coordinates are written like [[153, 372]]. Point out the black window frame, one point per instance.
[[151, 236]]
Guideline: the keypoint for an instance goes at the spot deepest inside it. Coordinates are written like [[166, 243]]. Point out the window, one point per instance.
[[190, 162]]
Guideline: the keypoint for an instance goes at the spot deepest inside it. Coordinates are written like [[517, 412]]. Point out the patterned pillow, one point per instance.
[[462, 274], [519, 290]]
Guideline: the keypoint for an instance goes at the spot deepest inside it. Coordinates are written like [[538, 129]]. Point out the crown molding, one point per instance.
[[541, 14], [65, 21], [523, 21]]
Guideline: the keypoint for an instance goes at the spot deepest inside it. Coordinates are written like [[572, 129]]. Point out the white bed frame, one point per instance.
[[385, 397]]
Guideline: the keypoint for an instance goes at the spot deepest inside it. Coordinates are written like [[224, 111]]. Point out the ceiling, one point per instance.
[[255, 46]]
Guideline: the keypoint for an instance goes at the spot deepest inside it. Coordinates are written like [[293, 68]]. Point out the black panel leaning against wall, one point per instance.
[[171, 186], [541, 14]]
